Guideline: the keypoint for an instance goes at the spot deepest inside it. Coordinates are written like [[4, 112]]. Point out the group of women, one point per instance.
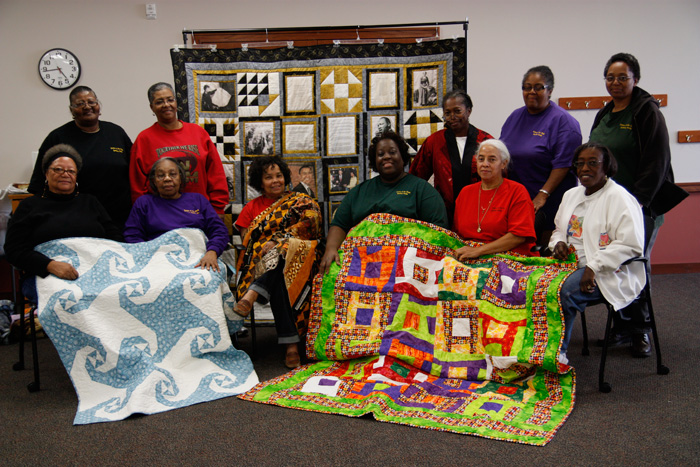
[[508, 195]]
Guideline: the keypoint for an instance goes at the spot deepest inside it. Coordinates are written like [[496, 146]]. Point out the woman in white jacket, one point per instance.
[[604, 223]]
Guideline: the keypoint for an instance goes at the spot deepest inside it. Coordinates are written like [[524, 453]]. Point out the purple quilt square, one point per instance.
[[373, 270], [431, 324], [327, 382], [496, 407], [363, 316]]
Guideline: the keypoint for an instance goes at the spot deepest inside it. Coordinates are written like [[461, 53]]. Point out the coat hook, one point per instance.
[[688, 138], [605, 103], [587, 102], [660, 101], [568, 104]]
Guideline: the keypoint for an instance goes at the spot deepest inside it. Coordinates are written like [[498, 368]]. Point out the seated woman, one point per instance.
[[170, 208], [59, 212], [280, 232], [504, 217], [604, 223], [394, 191]]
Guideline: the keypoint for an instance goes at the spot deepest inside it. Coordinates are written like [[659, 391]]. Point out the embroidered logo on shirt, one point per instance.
[[537, 133], [604, 240], [119, 150], [192, 211], [626, 126], [403, 192]]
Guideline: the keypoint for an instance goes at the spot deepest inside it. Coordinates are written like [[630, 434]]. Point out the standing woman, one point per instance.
[[104, 148], [448, 154], [280, 231], [190, 144], [542, 138], [634, 129]]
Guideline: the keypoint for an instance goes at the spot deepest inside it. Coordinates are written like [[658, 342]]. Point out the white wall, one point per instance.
[[122, 54]]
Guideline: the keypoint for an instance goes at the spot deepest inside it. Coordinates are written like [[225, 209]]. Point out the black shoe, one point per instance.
[[641, 346], [616, 340]]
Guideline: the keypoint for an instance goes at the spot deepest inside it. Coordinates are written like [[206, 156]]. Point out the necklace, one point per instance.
[[479, 221]]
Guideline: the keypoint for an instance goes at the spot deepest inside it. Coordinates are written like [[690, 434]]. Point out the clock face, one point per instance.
[[59, 69]]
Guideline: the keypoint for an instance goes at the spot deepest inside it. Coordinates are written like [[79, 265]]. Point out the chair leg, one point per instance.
[[253, 336], [661, 369], [584, 351], [602, 385], [19, 309], [35, 385]]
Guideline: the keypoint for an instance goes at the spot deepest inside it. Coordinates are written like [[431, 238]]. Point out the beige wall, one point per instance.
[[122, 53]]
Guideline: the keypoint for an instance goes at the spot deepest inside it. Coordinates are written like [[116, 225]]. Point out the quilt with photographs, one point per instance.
[[405, 332], [142, 330], [318, 107]]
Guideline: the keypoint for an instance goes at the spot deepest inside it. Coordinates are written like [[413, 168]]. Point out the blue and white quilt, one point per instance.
[[142, 330]]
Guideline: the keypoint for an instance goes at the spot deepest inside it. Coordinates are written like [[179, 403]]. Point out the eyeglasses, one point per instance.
[[60, 171], [162, 175], [78, 105], [621, 79], [537, 87], [592, 164], [168, 100]]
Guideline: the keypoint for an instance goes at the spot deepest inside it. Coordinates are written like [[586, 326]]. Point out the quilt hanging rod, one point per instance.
[[187, 33]]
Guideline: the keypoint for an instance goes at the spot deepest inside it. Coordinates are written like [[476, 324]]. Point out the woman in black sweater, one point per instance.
[[59, 212]]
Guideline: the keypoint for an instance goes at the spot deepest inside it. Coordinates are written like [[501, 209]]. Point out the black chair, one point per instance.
[[645, 296], [35, 385]]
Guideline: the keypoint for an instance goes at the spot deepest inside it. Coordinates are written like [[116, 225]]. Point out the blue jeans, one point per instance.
[[572, 301]]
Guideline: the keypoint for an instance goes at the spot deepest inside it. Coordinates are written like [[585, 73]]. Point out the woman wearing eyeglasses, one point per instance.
[[59, 211], [187, 142], [634, 129], [167, 208], [541, 137], [603, 222], [104, 148]]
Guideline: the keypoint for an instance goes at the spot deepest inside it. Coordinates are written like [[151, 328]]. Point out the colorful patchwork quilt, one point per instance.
[[142, 330], [404, 331]]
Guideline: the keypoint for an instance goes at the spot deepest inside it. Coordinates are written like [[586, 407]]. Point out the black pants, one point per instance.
[[271, 288]]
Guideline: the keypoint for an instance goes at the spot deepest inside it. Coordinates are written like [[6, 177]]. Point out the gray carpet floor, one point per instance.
[[647, 419]]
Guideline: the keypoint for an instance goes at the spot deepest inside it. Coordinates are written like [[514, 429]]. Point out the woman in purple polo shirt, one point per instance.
[[169, 208], [541, 138]]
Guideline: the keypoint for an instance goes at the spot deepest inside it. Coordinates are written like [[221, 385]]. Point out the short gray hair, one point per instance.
[[158, 87], [500, 146], [61, 150]]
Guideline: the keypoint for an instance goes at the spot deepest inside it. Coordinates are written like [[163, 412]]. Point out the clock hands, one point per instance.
[[61, 71]]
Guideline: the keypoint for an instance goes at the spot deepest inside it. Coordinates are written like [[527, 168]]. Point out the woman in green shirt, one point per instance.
[[394, 191]]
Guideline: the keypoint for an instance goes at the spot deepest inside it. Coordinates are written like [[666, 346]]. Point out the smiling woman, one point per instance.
[[280, 233], [603, 222], [168, 208], [187, 142], [394, 191], [104, 148], [541, 137], [59, 212], [448, 154]]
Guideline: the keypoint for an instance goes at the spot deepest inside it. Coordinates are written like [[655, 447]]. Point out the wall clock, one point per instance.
[[59, 69]]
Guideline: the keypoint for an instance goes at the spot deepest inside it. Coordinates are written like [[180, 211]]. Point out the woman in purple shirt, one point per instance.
[[168, 208], [541, 138]]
